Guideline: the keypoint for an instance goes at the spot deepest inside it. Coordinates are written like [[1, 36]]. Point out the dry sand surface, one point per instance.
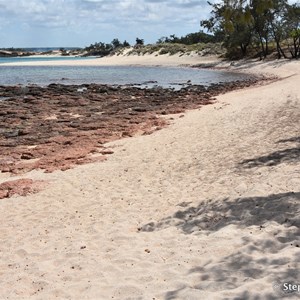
[[207, 208], [121, 60]]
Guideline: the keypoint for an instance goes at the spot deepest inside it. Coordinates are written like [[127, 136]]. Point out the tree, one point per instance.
[[139, 42], [275, 16], [174, 39], [245, 23], [292, 19], [116, 43], [198, 37], [99, 48], [162, 40], [233, 19], [126, 44], [259, 11]]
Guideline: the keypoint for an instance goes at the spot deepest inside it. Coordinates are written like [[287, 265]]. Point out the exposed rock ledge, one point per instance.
[[60, 126]]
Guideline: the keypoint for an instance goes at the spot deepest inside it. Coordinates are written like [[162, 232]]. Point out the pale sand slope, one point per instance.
[[123, 60], [220, 188]]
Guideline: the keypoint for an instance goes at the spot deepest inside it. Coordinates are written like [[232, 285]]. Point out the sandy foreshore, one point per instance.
[[124, 60], [206, 208]]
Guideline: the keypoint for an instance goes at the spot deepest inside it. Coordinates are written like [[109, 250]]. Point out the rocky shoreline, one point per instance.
[[60, 126]]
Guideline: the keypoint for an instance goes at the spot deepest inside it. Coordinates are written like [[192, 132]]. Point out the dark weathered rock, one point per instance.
[[27, 155]]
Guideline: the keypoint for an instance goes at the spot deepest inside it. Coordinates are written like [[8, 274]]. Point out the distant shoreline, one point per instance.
[[123, 60], [127, 58]]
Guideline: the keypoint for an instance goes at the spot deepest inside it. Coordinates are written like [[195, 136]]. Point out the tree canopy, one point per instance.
[[255, 23], [190, 39], [103, 49]]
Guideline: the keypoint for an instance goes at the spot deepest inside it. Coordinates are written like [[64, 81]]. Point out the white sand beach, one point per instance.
[[207, 208], [124, 60]]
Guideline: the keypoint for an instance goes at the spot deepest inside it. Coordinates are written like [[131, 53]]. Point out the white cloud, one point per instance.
[[112, 10], [106, 18]]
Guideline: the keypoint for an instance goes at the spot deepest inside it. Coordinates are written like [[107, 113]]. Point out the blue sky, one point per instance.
[[78, 23]]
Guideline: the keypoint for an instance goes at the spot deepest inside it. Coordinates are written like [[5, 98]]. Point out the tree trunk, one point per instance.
[[267, 47], [262, 46], [297, 47], [243, 49], [279, 50]]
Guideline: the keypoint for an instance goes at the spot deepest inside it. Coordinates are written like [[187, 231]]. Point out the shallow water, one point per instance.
[[144, 76], [40, 58]]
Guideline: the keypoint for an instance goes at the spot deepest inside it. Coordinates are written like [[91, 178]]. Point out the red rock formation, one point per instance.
[[21, 187], [60, 126]]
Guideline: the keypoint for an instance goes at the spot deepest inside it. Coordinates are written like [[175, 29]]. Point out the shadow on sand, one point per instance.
[[272, 257], [258, 258], [289, 155], [272, 63], [244, 212]]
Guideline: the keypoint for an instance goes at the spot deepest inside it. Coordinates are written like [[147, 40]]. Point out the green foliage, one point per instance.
[[293, 26], [245, 24], [102, 49], [126, 44], [139, 42], [190, 39], [233, 19], [116, 43]]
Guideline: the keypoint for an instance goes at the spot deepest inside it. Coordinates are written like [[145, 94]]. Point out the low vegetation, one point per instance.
[[177, 48], [198, 42]]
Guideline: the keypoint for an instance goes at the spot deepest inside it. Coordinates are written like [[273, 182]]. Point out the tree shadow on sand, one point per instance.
[[281, 208], [289, 155], [295, 139], [264, 262], [242, 268], [258, 258], [252, 263], [273, 63]]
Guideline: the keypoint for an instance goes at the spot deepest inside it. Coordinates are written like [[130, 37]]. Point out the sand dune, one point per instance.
[[207, 208], [121, 60]]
